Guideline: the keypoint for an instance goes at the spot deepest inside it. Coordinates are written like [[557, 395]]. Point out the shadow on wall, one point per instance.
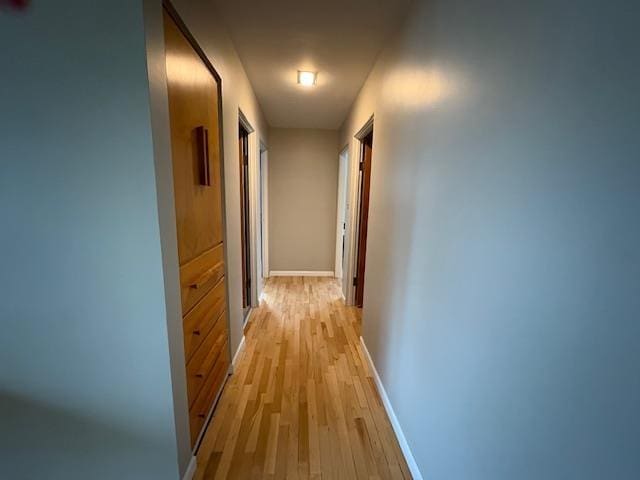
[[38, 441]]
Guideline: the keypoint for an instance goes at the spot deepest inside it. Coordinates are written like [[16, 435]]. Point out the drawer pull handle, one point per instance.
[[202, 415], [205, 277], [199, 375], [196, 332]]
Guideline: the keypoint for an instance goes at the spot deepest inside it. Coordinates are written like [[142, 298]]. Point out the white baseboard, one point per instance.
[[246, 319], [300, 273], [191, 469], [404, 446], [238, 351]]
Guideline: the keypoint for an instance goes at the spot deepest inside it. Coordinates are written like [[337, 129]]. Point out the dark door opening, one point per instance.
[[363, 215], [244, 219]]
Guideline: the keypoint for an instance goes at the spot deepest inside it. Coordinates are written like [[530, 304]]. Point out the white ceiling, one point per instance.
[[338, 38]]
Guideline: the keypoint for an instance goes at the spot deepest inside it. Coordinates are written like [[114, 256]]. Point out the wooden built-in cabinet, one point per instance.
[[194, 106]]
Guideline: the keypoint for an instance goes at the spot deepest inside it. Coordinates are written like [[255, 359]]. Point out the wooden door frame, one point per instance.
[[250, 250], [363, 216], [353, 209], [245, 219], [255, 144]]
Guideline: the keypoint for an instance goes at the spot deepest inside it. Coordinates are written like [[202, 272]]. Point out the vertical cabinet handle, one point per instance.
[[202, 147]]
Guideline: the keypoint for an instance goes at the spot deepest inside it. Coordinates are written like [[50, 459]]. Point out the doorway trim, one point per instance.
[[353, 209], [263, 168], [251, 180], [257, 244], [341, 211]]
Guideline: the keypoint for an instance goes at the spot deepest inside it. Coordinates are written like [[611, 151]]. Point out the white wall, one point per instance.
[[85, 385], [303, 183], [205, 24], [501, 305]]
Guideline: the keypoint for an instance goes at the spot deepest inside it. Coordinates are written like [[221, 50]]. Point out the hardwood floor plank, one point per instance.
[[302, 403], [314, 439], [272, 444]]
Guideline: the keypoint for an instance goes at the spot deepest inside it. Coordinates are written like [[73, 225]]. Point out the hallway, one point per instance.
[[302, 402], [347, 239]]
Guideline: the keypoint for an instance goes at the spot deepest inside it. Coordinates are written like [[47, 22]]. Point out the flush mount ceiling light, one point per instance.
[[308, 79]]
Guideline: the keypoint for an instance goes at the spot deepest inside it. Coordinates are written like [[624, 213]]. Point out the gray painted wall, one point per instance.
[[303, 189], [501, 302], [85, 385]]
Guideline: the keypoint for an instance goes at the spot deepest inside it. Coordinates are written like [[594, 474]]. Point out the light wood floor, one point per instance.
[[302, 402]]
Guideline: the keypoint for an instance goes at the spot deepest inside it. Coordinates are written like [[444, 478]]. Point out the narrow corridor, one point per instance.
[[346, 239], [302, 402]]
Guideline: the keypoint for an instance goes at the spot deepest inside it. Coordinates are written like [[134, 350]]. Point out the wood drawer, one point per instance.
[[202, 405], [205, 357], [199, 275], [201, 319]]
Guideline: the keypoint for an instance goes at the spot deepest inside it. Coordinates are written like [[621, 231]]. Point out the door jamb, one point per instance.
[[353, 200], [343, 180], [254, 150], [263, 166]]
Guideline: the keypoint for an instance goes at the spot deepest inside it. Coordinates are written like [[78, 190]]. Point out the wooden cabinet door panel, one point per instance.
[[193, 103]]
